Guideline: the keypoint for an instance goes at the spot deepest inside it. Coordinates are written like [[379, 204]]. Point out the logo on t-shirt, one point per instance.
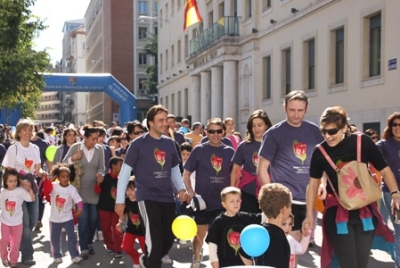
[[233, 240], [254, 158], [28, 163], [300, 150], [60, 203], [10, 206], [216, 162], [159, 155], [113, 192], [134, 219]]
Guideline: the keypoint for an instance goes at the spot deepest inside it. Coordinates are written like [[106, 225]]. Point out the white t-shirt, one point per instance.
[[11, 205], [295, 248], [22, 158], [61, 202]]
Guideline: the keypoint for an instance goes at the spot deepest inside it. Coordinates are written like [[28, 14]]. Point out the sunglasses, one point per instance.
[[138, 132], [330, 132], [395, 125], [374, 137], [213, 131]]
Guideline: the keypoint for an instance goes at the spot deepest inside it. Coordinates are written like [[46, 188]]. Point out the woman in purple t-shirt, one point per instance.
[[245, 160]]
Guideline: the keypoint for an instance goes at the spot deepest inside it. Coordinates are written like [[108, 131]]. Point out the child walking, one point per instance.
[[106, 187], [224, 232], [62, 197], [134, 228], [11, 199], [296, 248]]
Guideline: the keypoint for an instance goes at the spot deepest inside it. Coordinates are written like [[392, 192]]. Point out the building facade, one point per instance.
[[249, 54]]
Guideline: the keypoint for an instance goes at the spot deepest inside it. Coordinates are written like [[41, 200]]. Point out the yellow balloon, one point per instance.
[[184, 227]]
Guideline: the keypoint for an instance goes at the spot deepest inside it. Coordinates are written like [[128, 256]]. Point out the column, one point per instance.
[[230, 91], [216, 92], [205, 109], [195, 98]]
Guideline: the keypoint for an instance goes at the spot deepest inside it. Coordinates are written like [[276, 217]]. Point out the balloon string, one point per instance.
[[254, 261]]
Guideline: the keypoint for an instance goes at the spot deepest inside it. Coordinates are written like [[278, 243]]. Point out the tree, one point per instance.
[[21, 66], [151, 70]]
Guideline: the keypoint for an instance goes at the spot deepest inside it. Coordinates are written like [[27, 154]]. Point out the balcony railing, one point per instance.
[[224, 26]]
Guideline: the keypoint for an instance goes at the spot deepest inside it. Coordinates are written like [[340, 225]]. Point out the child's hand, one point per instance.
[[99, 178], [26, 184], [78, 213]]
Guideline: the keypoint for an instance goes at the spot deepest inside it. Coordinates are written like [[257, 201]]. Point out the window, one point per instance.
[[179, 52], [142, 32], [172, 108], [172, 55], [142, 59], [155, 9], [142, 7], [166, 59], [155, 30], [186, 46], [248, 13], [311, 64], [142, 86], [221, 8], [287, 70], [339, 56], [266, 4], [266, 93], [375, 45], [179, 103], [172, 7], [210, 18], [161, 64]]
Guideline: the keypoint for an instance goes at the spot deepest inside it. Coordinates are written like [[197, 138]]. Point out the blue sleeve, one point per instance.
[[123, 182]]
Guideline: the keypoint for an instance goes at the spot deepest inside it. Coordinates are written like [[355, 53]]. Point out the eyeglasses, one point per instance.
[[138, 132], [213, 131], [374, 137], [395, 125], [330, 132]]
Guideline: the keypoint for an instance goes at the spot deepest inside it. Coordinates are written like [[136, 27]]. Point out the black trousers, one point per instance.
[[352, 249], [157, 218]]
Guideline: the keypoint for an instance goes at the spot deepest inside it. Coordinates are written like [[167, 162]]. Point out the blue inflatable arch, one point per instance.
[[74, 82]]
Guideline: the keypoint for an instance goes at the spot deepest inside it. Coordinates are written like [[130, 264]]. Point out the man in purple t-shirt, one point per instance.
[[286, 149], [212, 163], [155, 163]]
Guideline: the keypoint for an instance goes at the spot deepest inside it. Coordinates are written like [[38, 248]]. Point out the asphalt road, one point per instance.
[[181, 254]]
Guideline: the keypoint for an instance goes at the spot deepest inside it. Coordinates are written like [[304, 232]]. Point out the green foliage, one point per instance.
[[20, 65], [151, 70]]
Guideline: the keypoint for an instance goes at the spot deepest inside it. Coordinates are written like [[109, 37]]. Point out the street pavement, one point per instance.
[[181, 254]]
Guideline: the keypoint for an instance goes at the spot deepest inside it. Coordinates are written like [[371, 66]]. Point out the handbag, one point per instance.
[[356, 186], [76, 172]]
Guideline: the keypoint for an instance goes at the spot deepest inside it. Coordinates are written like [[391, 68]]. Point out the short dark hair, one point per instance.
[[296, 95], [185, 146], [114, 161], [131, 183], [153, 111]]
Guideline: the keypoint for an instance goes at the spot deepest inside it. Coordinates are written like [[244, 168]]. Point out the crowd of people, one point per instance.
[[130, 182]]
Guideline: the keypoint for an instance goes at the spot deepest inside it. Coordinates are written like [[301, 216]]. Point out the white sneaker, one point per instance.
[[77, 259], [182, 242], [57, 260], [166, 260], [100, 236]]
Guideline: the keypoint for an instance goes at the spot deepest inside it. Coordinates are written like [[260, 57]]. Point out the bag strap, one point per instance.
[[325, 154], [359, 147]]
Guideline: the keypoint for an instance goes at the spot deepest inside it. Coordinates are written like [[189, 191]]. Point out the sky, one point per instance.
[[54, 13]]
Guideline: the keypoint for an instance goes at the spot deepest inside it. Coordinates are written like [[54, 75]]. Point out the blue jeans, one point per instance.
[[30, 217], [386, 211], [55, 238], [87, 226]]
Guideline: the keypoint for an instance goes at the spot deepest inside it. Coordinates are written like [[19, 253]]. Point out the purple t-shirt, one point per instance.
[[246, 155], [212, 165], [289, 151], [152, 160], [390, 150]]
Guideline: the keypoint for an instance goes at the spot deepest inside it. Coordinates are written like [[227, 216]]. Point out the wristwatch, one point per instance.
[[395, 192]]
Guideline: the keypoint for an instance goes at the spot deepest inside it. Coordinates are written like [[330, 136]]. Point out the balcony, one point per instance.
[[226, 26]]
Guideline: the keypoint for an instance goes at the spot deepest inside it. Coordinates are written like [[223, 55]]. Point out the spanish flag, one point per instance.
[[192, 14]]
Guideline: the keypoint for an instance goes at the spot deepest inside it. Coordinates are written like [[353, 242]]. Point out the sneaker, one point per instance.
[[118, 255], [5, 262], [195, 264], [100, 236], [142, 261], [166, 260], [29, 262], [85, 256], [136, 266], [57, 260], [91, 250], [182, 242], [110, 252], [77, 259]]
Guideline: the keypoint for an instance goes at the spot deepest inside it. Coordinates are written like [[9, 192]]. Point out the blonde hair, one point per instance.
[[22, 124], [229, 190]]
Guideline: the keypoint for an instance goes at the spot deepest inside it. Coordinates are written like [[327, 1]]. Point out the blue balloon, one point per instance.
[[254, 240]]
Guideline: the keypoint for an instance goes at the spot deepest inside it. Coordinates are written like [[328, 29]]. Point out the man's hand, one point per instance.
[[78, 213], [307, 225], [182, 195], [190, 196], [119, 209]]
